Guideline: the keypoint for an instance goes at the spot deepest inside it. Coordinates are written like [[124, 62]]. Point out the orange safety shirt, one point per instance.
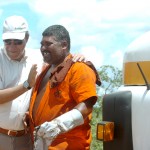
[[78, 85]]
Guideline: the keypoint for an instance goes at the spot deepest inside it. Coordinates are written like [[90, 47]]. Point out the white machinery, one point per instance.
[[127, 111]]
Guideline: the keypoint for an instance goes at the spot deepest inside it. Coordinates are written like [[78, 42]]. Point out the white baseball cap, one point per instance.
[[14, 27]]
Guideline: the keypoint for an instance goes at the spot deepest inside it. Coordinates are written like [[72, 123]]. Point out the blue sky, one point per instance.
[[99, 29]]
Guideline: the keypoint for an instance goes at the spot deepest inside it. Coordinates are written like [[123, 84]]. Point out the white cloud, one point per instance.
[[93, 54], [55, 7], [119, 9], [36, 57], [117, 58], [93, 10], [106, 25], [33, 42]]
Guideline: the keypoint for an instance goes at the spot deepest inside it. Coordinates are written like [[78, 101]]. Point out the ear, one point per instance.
[[64, 45], [27, 37]]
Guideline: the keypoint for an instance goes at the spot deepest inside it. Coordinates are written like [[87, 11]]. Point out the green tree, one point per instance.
[[111, 78]]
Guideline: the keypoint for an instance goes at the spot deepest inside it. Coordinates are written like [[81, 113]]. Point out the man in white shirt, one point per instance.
[[18, 72], [15, 84]]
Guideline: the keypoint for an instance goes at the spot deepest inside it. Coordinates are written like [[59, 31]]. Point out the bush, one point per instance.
[[96, 118]]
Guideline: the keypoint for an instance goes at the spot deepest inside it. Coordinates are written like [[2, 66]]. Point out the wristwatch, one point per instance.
[[26, 85]]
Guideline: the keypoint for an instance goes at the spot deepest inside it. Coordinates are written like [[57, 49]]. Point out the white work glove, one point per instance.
[[50, 130], [40, 144]]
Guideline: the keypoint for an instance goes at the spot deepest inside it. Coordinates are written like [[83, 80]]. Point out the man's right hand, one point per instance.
[[32, 75], [10, 94]]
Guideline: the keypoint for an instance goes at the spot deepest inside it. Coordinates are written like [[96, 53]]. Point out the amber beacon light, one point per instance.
[[105, 131]]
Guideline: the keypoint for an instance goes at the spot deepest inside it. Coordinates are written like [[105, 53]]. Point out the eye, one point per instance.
[[15, 42], [46, 44], [18, 42], [7, 42]]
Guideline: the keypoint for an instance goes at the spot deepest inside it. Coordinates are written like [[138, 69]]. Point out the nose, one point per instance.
[[43, 48]]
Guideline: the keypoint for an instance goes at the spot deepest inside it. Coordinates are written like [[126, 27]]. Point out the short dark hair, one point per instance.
[[58, 31]]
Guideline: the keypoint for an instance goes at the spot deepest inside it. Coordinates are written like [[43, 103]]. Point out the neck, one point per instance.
[[60, 61]]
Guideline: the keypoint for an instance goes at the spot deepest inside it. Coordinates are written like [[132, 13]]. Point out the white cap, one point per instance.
[[14, 27]]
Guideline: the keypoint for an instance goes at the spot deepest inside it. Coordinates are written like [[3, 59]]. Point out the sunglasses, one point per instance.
[[15, 42]]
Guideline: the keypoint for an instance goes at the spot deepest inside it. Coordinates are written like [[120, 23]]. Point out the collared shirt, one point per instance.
[[13, 73]]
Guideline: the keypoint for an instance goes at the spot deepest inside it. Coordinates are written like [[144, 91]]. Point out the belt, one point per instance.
[[13, 132]]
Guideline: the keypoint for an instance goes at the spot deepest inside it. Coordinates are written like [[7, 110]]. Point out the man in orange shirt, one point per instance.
[[63, 97]]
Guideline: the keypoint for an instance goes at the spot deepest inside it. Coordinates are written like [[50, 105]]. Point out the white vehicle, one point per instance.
[[126, 113]]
